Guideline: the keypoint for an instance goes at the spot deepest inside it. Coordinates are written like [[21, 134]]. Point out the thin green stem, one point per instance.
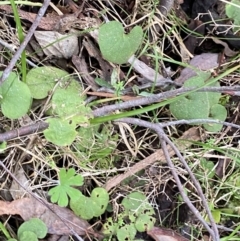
[[21, 39], [4, 230], [29, 3], [135, 112]]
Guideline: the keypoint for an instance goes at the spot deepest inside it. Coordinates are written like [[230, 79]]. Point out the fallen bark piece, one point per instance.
[[162, 234], [59, 220]]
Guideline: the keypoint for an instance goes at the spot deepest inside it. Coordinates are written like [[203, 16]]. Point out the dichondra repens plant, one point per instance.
[[200, 105], [67, 108]]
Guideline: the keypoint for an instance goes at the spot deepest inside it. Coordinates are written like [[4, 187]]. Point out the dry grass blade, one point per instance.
[[191, 135]]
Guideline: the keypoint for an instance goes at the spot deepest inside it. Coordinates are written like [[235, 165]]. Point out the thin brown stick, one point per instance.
[[164, 139]]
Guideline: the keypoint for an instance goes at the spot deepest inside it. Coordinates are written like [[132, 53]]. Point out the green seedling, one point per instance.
[[96, 143], [32, 229], [206, 167], [116, 46], [137, 216], [67, 179], [67, 103], [200, 105]]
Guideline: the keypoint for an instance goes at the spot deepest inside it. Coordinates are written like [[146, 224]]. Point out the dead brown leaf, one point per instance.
[[161, 234], [227, 51], [193, 41], [56, 44], [50, 214], [205, 61]]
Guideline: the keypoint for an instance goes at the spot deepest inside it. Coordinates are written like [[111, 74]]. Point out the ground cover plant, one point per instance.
[[119, 120]]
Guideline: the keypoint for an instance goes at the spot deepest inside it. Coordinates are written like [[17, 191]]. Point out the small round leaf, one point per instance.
[[60, 132], [41, 80], [34, 225], [16, 97]]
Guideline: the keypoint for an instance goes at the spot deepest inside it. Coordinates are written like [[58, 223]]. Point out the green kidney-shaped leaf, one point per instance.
[[115, 45], [100, 198], [16, 97], [68, 100], [34, 225], [199, 105], [41, 80], [195, 105], [60, 132], [83, 207], [93, 206], [217, 112]]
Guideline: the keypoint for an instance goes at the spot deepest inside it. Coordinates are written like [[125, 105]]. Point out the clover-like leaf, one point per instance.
[[115, 45], [35, 226], [208, 169], [15, 97], [93, 206], [60, 132], [64, 190], [41, 80]]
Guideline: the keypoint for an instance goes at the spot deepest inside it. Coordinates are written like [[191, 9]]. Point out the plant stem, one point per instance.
[[21, 38]]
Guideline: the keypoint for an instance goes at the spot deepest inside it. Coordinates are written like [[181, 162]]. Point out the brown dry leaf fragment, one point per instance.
[[46, 23], [58, 45], [205, 61], [93, 51], [16, 190], [227, 51], [222, 167], [82, 68], [193, 41], [147, 72], [31, 208], [161, 234]]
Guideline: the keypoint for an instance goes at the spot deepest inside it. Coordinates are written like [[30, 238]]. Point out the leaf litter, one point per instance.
[[91, 63]]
